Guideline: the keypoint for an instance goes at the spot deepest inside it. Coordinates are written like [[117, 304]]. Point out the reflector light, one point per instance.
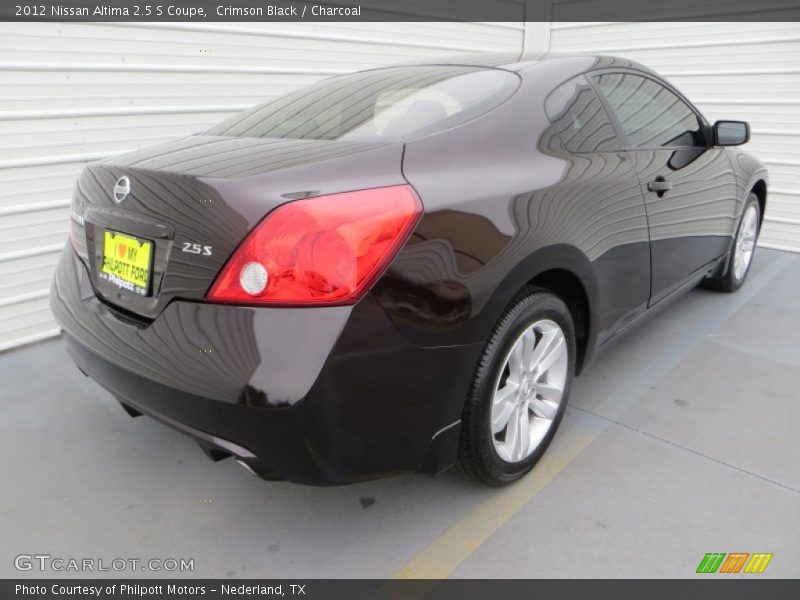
[[253, 278]]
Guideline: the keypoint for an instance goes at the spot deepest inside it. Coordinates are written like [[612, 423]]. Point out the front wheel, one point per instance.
[[741, 254], [520, 389]]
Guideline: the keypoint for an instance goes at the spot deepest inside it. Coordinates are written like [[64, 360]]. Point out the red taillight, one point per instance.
[[75, 221], [73, 235], [319, 251]]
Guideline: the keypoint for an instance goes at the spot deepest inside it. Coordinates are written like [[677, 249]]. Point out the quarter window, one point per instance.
[[580, 119], [650, 114]]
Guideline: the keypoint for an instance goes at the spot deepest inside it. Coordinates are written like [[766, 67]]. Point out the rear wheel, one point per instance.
[[520, 390], [741, 254]]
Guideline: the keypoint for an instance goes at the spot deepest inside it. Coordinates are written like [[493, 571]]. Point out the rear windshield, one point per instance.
[[398, 102]]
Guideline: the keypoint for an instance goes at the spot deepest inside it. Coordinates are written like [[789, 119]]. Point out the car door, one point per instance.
[[599, 202], [688, 185]]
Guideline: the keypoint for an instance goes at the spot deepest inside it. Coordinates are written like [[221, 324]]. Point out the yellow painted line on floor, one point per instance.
[[447, 552]]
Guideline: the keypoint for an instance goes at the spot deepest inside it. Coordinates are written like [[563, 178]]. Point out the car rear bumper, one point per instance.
[[313, 395]]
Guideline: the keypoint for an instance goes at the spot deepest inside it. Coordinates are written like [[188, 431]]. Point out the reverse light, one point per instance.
[[253, 278], [326, 250]]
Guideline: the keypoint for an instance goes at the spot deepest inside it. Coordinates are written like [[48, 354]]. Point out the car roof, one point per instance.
[[517, 62]]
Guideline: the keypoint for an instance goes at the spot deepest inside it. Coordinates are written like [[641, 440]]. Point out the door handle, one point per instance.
[[660, 186]]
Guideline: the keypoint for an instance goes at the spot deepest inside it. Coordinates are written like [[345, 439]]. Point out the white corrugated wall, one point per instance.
[[747, 71], [72, 93]]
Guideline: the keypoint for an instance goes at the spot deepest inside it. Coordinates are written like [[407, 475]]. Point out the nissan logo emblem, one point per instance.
[[121, 189]]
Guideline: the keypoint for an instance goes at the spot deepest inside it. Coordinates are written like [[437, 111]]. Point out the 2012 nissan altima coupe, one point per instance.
[[404, 268]]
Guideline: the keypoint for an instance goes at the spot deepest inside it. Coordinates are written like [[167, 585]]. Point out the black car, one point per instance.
[[402, 268]]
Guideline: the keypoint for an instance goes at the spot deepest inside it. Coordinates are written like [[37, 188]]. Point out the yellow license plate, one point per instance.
[[126, 262]]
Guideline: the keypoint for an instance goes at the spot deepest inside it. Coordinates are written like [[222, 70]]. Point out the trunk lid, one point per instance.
[[191, 202]]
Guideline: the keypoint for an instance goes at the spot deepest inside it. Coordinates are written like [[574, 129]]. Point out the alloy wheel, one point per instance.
[[529, 391], [745, 242]]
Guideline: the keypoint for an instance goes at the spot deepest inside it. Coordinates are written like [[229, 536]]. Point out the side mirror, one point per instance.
[[731, 133]]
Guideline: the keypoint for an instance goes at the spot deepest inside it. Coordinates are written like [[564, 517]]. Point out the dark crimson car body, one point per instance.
[[342, 393]]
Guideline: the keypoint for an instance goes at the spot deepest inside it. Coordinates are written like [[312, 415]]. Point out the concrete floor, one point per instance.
[[680, 440]]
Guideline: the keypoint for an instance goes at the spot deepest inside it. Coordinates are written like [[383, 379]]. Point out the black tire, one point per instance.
[[728, 281], [478, 457]]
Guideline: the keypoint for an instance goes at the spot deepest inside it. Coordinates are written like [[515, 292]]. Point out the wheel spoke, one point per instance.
[[524, 436], [544, 345], [751, 220], [512, 434], [501, 418], [544, 408], [539, 429], [528, 343], [505, 393], [503, 405], [515, 364], [552, 353], [550, 391], [738, 264]]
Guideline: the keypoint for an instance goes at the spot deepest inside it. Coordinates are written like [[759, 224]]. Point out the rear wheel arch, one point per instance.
[[760, 190], [569, 288], [566, 272]]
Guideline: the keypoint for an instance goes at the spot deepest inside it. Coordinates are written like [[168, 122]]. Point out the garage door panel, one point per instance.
[[25, 322], [785, 177], [784, 205], [225, 46], [26, 276], [731, 59], [619, 37], [16, 183], [755, 87], [775, 147], [23, 158], [13, 148], [780, 236], [30, 234], [247, 47], [107, 88]]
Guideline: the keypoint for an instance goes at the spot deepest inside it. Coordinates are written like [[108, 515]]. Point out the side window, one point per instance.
[[650, 114], [580, 119]]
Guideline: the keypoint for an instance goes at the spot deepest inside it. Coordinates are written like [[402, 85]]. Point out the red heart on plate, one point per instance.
[[121, 250]]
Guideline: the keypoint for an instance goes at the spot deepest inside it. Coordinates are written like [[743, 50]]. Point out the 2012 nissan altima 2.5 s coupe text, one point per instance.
[[401, 269]]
